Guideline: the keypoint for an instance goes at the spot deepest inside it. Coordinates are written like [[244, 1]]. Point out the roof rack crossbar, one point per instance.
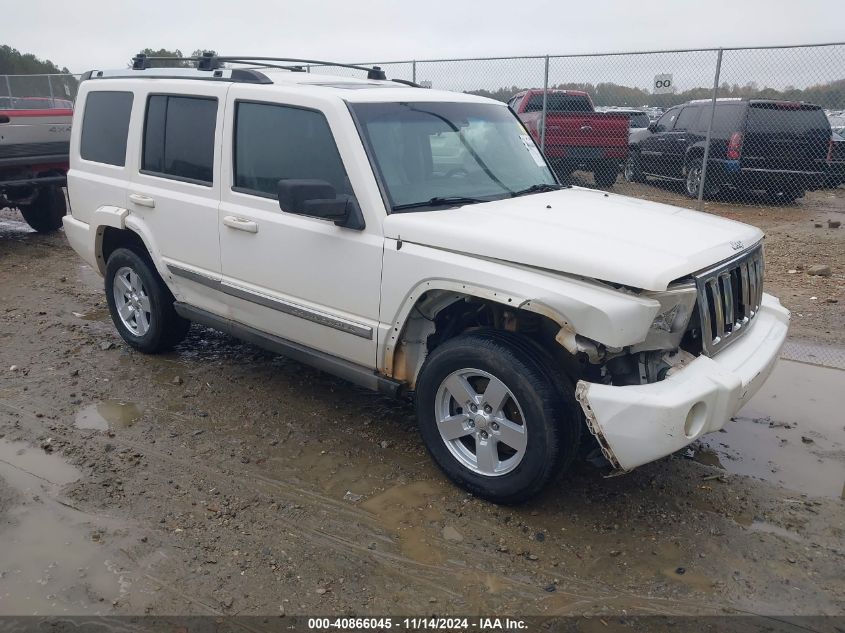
[[210, 61]]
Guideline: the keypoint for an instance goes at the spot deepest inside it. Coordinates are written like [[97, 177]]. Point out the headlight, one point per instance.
[[668, 327]]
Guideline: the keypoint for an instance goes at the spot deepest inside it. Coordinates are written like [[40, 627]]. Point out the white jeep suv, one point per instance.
[[416, 242]]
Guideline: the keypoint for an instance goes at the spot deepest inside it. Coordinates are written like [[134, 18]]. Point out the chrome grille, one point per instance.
[[729, 296]]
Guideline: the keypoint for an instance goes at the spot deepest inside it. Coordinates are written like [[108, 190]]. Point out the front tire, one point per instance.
[[605, 174], [494, 417], [45, 212], [140, 304]]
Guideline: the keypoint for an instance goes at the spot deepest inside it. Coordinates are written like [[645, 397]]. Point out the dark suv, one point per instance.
[[777, 146]]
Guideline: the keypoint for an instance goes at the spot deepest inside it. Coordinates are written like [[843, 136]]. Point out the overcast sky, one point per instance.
[[89, 34]]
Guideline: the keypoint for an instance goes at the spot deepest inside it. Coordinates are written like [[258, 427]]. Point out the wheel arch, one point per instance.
[[435, 311], [116, 228]]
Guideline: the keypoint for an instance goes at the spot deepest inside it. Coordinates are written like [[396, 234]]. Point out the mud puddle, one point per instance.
[[106, 415], [410, 511], [791, 433], [54, 560]]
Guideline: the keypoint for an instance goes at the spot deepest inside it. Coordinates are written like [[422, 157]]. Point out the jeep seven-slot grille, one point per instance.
[[729, 297]]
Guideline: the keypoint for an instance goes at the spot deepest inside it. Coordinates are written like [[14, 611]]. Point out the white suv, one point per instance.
[[416, 242]]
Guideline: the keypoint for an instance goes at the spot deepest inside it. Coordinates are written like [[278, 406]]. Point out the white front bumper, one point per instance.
[[640, 423]]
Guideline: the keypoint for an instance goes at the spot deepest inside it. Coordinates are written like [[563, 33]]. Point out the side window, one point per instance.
[[179, 138], [274, 142], [665, 123], [105, 127], [687, 118]]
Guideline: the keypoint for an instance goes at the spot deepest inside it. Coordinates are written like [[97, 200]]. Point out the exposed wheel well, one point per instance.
[[111, 239], [440, 315]]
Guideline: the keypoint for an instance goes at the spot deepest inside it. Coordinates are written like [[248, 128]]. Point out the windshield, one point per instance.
[[441, 152]]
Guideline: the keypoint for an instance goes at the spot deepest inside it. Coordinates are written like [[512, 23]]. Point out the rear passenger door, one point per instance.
[[175, 189]]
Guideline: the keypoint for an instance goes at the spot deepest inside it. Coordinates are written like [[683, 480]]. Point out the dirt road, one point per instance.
[[220, 479]]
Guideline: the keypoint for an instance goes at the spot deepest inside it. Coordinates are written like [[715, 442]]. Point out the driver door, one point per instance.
[[655, 150]]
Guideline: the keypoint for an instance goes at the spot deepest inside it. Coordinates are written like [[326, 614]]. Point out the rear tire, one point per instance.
[[606, 174], [786, 197], [692, 183], [519, 435], [45, 212], [140, 303], [633, 168]]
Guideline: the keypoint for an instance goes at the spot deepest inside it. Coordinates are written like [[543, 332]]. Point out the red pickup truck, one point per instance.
[[577, 137], [34, 150]]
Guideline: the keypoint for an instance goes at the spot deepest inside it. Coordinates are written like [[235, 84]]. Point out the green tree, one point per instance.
[[13, 62]]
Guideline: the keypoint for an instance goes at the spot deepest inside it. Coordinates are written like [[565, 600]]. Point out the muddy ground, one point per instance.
[[219, 479]]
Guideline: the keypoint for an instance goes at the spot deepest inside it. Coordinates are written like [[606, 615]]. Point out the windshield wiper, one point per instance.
[[537, 189], [438, 201]]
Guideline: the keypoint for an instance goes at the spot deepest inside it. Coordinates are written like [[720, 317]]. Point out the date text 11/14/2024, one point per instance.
[[418, 623]]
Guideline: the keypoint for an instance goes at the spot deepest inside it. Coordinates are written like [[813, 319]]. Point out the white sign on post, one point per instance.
[[662, 84]]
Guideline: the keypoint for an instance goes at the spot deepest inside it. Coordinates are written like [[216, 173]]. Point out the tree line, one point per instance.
[[13, 62], [828, 95]]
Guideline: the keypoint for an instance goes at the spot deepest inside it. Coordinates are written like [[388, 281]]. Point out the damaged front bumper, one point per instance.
[[637, 424]]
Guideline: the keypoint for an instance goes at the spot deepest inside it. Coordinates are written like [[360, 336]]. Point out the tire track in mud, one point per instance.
[[345, 531]]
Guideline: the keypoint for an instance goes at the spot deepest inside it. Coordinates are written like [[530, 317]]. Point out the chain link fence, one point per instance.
[[758, 126], [37, 92]]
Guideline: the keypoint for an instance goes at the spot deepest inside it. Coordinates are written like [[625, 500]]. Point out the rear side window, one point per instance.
[[179, 138], [727, 120], [105, 127], [558, 102], [274, 142], [786, 118]]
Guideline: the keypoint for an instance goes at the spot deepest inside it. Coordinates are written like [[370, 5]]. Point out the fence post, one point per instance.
[[9, 90], [414, 71], [709, 131], [545, 104], [52, 97]]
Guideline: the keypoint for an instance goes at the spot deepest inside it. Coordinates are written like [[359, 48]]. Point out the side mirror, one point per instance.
[[652, 127], [318, 199]]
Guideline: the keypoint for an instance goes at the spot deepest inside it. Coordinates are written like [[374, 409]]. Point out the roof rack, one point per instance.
[[209, 61]]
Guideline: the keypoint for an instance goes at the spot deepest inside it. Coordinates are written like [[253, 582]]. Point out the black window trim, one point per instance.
[[128, 129], [157, 174], [262, 194]]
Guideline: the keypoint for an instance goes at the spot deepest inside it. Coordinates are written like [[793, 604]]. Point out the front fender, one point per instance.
[[599, 312]]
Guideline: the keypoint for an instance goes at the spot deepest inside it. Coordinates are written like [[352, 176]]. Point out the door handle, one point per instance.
[[586, 128], [240, 224], [682, 138], [142, 200]]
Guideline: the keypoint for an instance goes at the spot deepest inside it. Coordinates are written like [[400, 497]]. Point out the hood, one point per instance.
[[582, 232]]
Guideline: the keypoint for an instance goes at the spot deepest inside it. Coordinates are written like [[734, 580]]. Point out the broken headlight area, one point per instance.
[[665, 347]]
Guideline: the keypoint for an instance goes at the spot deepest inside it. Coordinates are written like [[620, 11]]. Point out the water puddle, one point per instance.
[[409, 510], [54, 560], [758, 525], [108, 414], [791, 433], [95, 314], [10, 228]]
